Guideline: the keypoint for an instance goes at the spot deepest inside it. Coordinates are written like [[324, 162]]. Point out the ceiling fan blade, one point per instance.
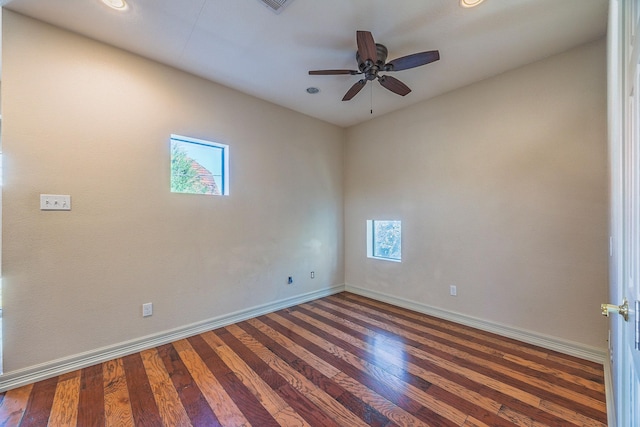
[[366, 46], [357, 87], [394, 85], [411, 61], [332, 72]]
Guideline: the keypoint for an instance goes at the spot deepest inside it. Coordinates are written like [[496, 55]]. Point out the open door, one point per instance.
[[624, 152]]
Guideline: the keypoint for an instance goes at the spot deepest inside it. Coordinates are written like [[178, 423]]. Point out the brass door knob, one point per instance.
[[622, 310]]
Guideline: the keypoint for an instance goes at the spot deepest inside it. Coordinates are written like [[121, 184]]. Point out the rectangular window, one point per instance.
[[199, 167], [384, 240]]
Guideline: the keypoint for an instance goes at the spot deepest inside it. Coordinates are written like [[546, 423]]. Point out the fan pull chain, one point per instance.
[[371, 98]]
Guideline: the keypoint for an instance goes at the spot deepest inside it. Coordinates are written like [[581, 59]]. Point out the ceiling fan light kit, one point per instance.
[[371, 58]]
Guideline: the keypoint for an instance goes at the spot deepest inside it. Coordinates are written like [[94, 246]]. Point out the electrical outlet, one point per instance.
[[290, 280], [313, 274], [55, 202], [453, 290], [147, 309]]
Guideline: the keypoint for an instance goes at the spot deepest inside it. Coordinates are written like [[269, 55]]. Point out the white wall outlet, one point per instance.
[[147, 309], [313, 274], [55, 202], [453, 290], [290, 280]]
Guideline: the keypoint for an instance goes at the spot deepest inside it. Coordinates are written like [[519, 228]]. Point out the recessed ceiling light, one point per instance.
[[116, 4], [470, 3], [313, 90]]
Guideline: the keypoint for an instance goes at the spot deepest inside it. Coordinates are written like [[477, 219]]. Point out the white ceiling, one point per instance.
[[244, 45]]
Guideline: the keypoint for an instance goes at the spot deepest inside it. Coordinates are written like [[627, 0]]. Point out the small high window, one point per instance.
[[199, 167], [384, 240]]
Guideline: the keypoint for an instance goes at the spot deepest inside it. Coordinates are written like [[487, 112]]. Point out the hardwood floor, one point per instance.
[[342, 360]]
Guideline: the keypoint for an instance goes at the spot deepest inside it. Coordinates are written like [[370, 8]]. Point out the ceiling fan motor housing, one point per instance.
[[371, 70]]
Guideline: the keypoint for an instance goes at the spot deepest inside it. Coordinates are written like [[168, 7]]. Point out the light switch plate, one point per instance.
[[147, 309], [55, 202]]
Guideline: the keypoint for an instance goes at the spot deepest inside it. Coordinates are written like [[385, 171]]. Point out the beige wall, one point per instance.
[[502, 190], [88, 120]]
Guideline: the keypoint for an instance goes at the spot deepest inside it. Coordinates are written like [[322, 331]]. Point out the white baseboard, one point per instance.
[[608, 389], [546, 341], [10, 380]]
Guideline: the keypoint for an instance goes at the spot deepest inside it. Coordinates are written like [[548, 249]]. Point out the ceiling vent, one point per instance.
[[276, 6]]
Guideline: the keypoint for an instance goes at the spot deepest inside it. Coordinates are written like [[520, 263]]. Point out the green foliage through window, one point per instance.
[[384, 240], [198, 167]]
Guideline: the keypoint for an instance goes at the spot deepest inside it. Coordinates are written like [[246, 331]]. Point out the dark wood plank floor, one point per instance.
[[343, 360]]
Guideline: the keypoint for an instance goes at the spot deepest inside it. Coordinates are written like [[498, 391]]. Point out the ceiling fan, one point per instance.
[[371, 57]]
